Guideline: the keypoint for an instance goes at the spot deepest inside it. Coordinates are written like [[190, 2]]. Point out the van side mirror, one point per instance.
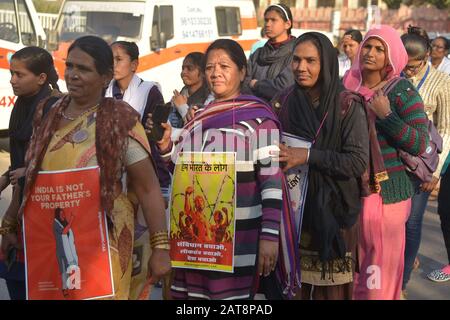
[[162, 40], [52, 40], [154, 43], [158, 43]]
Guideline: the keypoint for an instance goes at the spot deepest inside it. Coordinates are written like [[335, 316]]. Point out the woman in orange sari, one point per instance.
[[84, 129]]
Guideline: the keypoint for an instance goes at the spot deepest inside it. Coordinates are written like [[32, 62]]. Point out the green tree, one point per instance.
[[440, 4], [393, 4], [46, 6]]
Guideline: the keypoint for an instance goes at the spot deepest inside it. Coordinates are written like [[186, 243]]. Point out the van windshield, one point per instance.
[[110, 20]]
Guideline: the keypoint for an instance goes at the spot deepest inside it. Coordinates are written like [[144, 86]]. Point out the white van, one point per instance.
[[19, 27], [164, 30]]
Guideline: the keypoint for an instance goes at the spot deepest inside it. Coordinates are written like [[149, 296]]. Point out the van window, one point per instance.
[[27, 32], [8, 24], [162, 22], [110, 20], [228, 21]]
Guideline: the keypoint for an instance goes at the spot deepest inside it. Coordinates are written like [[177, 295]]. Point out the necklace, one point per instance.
[[375, 85], [80, 115]]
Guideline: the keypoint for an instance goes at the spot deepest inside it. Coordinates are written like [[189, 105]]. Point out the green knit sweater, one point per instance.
[[405, 128]]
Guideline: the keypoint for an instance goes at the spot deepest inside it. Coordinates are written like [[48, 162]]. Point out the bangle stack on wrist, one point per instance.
[[160, 240]]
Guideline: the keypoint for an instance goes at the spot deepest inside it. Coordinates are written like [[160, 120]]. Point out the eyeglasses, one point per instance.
[[435, 46], [415, 68]]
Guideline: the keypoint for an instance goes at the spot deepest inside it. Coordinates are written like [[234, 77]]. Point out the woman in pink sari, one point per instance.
[[396, 120]]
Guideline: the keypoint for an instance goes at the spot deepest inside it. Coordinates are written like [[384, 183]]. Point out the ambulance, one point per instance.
[[19, 27], [164, 30]]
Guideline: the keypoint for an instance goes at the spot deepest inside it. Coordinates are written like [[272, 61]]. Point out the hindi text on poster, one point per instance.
[[202, 211]]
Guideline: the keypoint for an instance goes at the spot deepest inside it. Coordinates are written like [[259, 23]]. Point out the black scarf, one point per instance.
[[198, 98], [276, 58], [332, 202], [21, 126]]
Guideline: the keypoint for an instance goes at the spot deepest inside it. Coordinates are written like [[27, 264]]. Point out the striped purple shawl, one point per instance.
[[243, 108]]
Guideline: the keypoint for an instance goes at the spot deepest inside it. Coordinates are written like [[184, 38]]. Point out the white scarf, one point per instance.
[[136, 94]]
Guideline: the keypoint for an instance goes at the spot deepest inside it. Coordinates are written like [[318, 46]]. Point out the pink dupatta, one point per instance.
[[372, 212], [397, 58]]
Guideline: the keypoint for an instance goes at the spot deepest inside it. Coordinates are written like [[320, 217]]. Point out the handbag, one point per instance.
[[423, 165]]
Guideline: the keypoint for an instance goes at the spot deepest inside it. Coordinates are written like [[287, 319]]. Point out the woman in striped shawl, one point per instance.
[[264, 235]]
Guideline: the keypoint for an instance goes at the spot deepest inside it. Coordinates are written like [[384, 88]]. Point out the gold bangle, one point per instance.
[[160, 240], [160, 234], [162, 246], [154, 244]]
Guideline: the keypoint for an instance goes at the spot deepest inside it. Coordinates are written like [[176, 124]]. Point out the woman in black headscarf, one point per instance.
[[317, 108]]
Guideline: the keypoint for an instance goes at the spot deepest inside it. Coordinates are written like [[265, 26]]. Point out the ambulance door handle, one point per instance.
[[177, 51]]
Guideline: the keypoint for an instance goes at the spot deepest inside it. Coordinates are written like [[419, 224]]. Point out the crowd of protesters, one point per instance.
[[364, 112]]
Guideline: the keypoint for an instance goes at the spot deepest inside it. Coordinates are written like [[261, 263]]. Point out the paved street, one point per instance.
[[431, 255]]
